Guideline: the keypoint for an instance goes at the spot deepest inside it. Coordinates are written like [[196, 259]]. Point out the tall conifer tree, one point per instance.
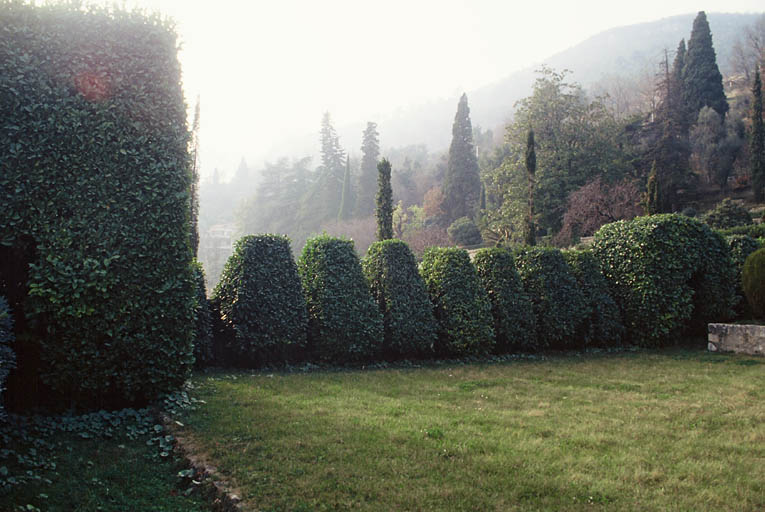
[[529, 234], [384, 201], [702, 81], [370, 150], [462, 183], [757, 157], [346, 203]]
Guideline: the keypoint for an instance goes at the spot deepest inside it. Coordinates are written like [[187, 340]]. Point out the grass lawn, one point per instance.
[[668, 430]]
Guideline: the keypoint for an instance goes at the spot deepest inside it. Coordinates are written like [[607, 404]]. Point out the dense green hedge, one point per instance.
[[344, 321], [95, 170], [203, 334], [7, 357], [753, 230], [667, 273], [603, 325], [558, 304], [753, 282], [514, 325], [460, 304], [260, 300], [741, 246], [727, 214], [398, 289]]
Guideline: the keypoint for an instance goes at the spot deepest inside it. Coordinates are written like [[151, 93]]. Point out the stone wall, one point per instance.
[[742, 339]]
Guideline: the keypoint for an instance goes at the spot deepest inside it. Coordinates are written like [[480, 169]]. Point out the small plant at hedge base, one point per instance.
[[741, 246], [398, 289], [203, 336], [7, 357], [460, 304], [727, 214], [464, 232], [261, 302], [344, 321], [753, 282], [514, 325], [558, 304]]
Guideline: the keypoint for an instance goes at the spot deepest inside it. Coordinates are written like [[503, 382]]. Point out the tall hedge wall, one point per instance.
[[514, 324], [667, 273], [460, 304], [398, 289], [344, 322], [7, 357], [95, 173], [203, 332], [260, 299]]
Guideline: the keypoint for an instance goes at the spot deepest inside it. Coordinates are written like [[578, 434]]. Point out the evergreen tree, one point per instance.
[[384, 201], [675, 95], [702, 81], [194, 192], [757, 157], [346, 204], [370, 149], [462, 182], [321, 204], [529, 231], [651, 202]]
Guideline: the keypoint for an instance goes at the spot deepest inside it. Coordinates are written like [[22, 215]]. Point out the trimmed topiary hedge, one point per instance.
[[603, 326], [558, 304], [514, 325], [261, 302], [203, 333], [667, 273], [95, 172], [753, 282], [460, 304], [7, 357], [344, 321], [741, 246], [398, 289], [727, 214]]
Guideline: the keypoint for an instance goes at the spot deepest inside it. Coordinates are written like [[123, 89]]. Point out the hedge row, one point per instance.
[[7, 357]]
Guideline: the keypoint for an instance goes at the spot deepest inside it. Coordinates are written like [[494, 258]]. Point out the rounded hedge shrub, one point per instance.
[[344, 321], [463, 231], [261, 302], [460, 304], [741, 246], [604, 326], [96, 171], [727, 214], [514, 326], [203, 334], [558, 304], [753, 281], [7, 357], [398, 289], [667, 272]]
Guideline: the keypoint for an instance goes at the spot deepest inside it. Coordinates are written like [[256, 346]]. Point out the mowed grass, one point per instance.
[[673, 430]]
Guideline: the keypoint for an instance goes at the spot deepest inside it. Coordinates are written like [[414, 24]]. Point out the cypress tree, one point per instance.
[[702, 81], [462, 182], [678, 110], [529, 234], [370, 149], [757, 157], [651, 202], [384, 201], [346, 204]]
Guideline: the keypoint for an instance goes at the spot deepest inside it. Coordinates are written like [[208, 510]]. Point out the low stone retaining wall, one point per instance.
[[742, 339]]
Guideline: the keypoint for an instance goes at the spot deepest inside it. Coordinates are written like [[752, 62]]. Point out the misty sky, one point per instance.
[[268, 69]]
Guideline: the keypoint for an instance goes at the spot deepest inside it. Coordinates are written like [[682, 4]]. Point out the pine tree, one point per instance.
[[529, 234], [675, 96], [757, 157], [702, 81], [370, 149], [462, 182], [384, 201], [323, 201], [194, 192], [346, 204]]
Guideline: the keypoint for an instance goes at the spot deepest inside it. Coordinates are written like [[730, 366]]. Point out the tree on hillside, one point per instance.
[[322, 202], [462, 182], [384, 201], [702, 81], [757, 156], [529, 232], [675, 95], [194, 154], [346, 202], [370, 150]]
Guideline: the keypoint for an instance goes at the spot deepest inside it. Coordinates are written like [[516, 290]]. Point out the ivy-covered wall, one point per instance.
[[94, 176]]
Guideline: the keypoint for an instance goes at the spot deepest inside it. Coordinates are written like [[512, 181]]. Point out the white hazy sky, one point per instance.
[[268, 69]]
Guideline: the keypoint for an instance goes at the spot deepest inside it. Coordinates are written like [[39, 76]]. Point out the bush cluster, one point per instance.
[[95, 172], [727, 214], [666, 272], [753, 230], [514, 324], [753, 281], [741, 246], [7, 357], [460, 304], [464, 232], [557, 301], [203, 334], [261, 303], [344, 321], [399, 291], [602, 326]]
